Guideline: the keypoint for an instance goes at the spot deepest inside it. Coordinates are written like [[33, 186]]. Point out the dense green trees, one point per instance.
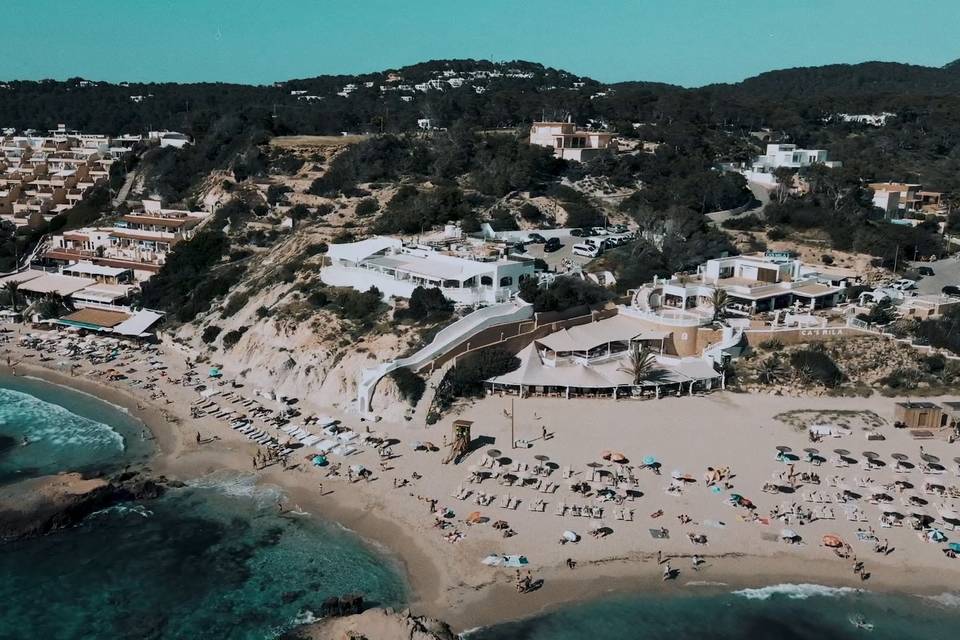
[[191, 277], [562, 294]]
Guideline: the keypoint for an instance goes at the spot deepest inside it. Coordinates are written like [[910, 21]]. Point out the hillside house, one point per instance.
[[568, 142]]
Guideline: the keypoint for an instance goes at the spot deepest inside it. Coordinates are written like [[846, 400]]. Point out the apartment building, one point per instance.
[[898, 199]]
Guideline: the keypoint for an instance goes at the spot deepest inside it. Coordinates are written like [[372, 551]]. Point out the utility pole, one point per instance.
[[895, 256], [513, 439]]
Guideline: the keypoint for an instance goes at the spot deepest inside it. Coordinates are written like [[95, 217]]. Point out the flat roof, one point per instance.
[[56, 283], [97, 318], [95, 269], [918, 405], [434, 266], [160, 220], [142, 235]]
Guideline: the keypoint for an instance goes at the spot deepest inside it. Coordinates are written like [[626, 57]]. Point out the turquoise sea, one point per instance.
[[784, 612], [214, 560]]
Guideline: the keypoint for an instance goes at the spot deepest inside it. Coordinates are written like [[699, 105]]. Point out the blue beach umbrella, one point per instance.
[[319, 461], [954, 546], [649, 460]]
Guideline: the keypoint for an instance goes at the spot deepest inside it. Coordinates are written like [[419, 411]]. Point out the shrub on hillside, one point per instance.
[[426, 304], [816, 366], [210, 333], [409, 384]]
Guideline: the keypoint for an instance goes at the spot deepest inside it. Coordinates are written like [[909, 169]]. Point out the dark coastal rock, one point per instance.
[[37, 506], [6, 443], [375, 624]]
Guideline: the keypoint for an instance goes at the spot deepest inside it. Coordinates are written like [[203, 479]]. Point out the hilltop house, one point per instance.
[[568, 142], [464, 275], [785, 155], [898, 199]]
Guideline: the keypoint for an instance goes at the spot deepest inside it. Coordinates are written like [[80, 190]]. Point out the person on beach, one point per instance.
[[198, 437], [667, 571]]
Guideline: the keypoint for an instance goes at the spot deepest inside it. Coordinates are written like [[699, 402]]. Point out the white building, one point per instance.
[[785, 155], [568, 142], [397, 269], [753, 283]]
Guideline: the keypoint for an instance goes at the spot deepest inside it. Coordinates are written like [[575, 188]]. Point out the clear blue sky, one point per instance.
[[688, 42]]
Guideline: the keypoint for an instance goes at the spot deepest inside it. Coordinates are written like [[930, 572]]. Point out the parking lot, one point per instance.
[[555, 258]]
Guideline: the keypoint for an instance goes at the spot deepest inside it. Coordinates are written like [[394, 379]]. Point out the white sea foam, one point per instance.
[[54, 424], [123, 509], [795, 591], [239, 485], [705, 583], [945, 599]]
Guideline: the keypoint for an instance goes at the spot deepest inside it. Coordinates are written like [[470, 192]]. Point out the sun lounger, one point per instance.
[[561, 509], [505, 501]]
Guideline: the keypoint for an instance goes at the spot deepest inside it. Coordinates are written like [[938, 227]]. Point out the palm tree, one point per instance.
[[642, 365], [772, 370], [13, 292], [720, 301]]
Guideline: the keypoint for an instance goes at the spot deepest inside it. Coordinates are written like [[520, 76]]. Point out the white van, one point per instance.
[[586, 250]]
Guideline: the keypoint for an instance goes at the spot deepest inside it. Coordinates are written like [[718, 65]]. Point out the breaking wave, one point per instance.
[[795, 592]]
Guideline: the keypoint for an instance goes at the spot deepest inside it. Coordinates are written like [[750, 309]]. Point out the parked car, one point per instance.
[[586, 250], [551, 245], [581, 233], [904, 284], [618, 228], [599, 231], [950, 290], [536, 238], [925, 271]]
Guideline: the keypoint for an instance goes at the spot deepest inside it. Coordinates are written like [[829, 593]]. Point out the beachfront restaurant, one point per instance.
[[610, 378], [599, 341]]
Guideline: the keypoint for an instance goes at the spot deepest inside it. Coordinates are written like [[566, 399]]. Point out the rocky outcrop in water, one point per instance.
[[37, 506], [375, 624]]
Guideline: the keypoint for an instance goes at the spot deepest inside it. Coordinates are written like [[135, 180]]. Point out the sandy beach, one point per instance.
[[686, 435]]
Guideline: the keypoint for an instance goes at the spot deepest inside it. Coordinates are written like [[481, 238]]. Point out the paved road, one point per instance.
[[946, 271], [762, 194]]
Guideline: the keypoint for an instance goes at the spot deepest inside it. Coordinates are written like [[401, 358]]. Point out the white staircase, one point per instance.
[[463, 329]]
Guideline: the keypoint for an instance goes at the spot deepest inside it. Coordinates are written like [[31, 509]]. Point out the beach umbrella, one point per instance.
[[319, 461], [474, 517], [594, 465], [571, 536], [936, 535], [500, 524], [788, 534], [832, 541], [783, 449], [605, 454], [811, 451], [870, 454], [541, 457], [841, 452], [900, 456], [357, 468], [954, 546], [648, 460], [494, 453], [619, 458], [917, 500], [929, 457]]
